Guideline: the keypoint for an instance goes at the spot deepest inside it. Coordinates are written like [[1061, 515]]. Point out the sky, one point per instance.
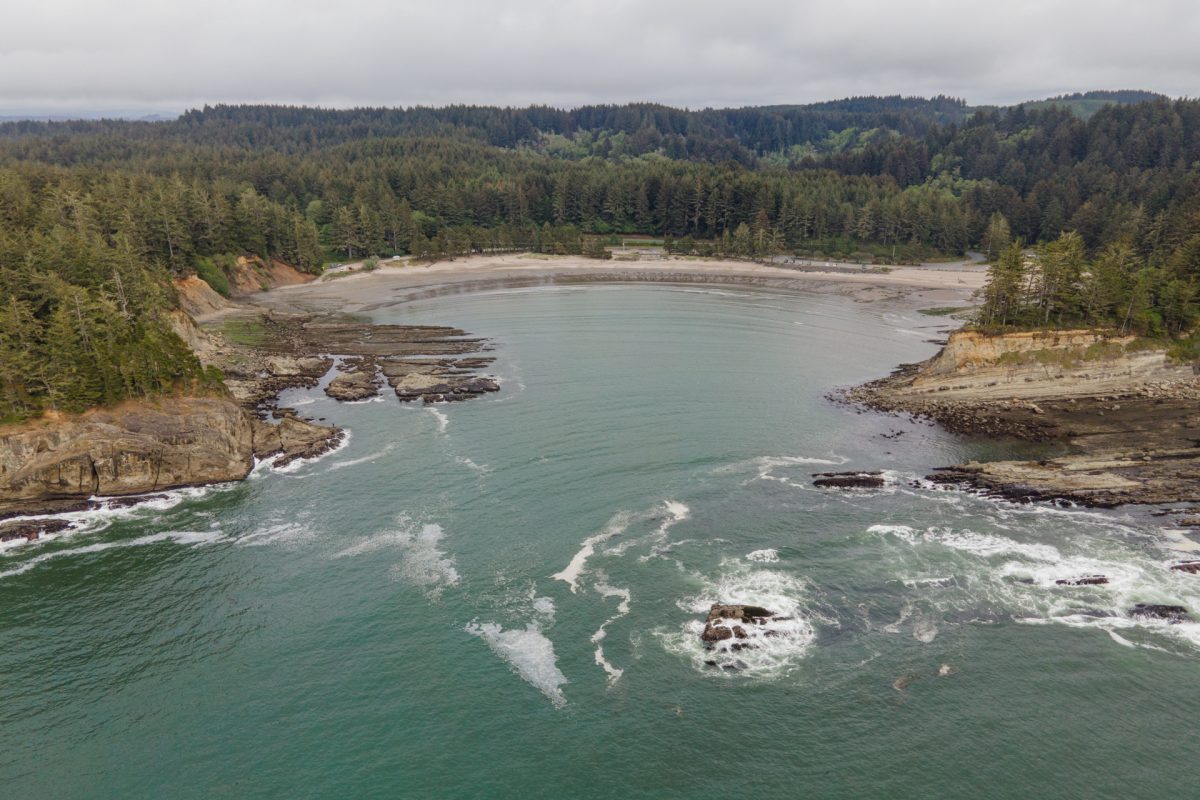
[[143, 56]]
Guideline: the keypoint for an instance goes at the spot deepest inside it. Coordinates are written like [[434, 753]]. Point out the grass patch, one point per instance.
[[1185, 351], [247, 332], [945, 311]]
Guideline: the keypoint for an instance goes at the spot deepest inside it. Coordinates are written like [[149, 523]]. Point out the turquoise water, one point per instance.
[[387, 621]]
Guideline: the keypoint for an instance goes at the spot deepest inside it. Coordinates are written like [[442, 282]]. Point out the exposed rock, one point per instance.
[[56, 464], [716, 628], [848, 480], [904, 681], [1086, 580], [419, 361], [293, 439], [360, 383], [1171, 614], [1192, 567], [716, 633], [32, 530], [440, 386]]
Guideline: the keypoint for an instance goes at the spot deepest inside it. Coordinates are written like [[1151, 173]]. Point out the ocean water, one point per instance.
[[502, 598]]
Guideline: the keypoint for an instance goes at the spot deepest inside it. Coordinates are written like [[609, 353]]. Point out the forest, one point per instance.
[[1089, 218]]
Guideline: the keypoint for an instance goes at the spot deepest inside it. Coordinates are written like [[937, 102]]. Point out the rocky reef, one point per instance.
[[419, 362]]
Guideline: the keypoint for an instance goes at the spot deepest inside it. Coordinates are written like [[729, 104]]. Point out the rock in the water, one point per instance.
[[293, 439], [1086, 580], [1163, 612], [32, 530], [716, 633], [1188, 566], [716, 628], [848, 480], [359, 385]]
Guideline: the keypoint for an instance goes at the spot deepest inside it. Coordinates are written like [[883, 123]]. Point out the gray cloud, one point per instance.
[[151, 54]]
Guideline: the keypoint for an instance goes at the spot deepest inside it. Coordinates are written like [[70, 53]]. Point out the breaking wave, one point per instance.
[[768, 650], [185, 538]]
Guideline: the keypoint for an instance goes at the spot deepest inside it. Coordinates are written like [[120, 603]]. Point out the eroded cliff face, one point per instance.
[[1042, 364], [253, 274], [141, 447]]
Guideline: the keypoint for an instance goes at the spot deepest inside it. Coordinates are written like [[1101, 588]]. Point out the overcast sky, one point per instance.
[[170, 55]]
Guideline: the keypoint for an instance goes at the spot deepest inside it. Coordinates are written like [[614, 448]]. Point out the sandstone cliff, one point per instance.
[[140, 447], [254, 274], [1033, 364]]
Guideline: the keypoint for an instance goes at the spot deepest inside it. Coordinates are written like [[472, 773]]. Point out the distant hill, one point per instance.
[[69, 116], [940, 108], [1085, 104]]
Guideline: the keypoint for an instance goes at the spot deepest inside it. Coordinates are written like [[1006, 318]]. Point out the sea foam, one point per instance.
[[422, 561], [530, 654], [626, 597]]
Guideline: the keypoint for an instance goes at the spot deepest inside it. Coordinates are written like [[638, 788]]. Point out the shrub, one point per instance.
[[213, 275]]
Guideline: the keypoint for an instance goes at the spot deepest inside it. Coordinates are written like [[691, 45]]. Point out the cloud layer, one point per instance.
[[101, 54]]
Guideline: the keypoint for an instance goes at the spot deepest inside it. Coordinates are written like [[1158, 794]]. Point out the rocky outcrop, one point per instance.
[[359, 381], [1086, 580], [293, 439], [56, 463], [848, 480], [1172, 614], [31, 530], [722, 617], [1127, 416], [420, 362]]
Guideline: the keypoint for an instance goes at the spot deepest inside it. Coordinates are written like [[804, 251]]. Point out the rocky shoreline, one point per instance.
[[124, 455], [1126, 417]]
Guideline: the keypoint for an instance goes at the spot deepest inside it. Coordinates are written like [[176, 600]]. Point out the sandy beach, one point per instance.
[[916, 287]]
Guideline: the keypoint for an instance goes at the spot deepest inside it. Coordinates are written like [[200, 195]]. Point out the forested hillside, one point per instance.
[[96, 217]]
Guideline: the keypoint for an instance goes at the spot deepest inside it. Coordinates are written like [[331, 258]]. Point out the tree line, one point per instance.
[[97, 217]]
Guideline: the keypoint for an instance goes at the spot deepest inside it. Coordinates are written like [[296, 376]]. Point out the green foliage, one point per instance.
[[1057, 286], [213, 275], [944, 311], [97, 217], [1186, 351]]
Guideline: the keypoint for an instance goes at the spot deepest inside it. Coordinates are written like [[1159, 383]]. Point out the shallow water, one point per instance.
[[502, 598]]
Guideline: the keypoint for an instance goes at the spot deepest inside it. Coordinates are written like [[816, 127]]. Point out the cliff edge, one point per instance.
[[58, 463]]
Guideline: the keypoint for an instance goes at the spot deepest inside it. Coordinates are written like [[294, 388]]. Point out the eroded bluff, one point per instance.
[[139, 447]]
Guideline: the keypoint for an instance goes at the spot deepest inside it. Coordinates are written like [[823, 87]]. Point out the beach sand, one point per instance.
[[913, 287]]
